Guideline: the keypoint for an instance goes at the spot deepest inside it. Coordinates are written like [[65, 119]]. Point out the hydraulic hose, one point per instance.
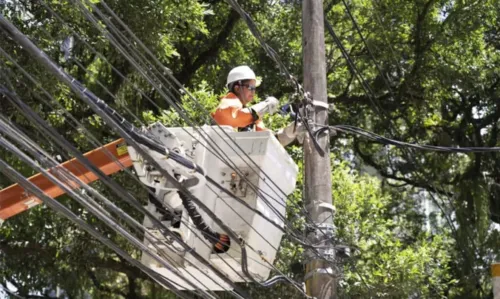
[[221, 242]]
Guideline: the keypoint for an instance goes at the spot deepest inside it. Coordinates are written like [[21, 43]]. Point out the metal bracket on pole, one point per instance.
[[326, 230], [324, 234], [322, 230], [318, 271], [320, 104], [327, 206]]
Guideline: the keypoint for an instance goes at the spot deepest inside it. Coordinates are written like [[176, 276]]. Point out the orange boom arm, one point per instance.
[[14, 200]]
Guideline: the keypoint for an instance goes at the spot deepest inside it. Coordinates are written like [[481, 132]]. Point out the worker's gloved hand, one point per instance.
[[269, 105], [291, 132], [273, 104]]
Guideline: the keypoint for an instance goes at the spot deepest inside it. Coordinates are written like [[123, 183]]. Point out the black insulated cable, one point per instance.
[[8, 171], [424, 147], [64, 77], [221, 242]]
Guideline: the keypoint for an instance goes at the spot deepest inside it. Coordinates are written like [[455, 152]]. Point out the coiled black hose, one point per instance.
[[221, 242]]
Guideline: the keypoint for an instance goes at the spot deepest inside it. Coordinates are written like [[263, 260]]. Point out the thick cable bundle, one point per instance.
[[221, 242]]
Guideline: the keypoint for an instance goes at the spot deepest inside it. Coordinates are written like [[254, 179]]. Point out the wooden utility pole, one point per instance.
[[320, 276]]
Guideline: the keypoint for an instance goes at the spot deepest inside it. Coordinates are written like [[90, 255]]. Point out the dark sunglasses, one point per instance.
[[250, 87]]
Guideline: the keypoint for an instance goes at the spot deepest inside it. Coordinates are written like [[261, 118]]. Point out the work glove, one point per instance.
[[269, 105], [291, 132]]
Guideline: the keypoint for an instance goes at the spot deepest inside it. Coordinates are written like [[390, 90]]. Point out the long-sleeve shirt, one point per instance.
[[231, 112]]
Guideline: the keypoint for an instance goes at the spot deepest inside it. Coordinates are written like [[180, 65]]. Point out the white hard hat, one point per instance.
[[240, 73]]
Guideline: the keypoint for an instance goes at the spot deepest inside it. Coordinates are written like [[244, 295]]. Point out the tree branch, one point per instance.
[[102, 288], [421, 46], [368, 160], [185, 75], [132, 288]]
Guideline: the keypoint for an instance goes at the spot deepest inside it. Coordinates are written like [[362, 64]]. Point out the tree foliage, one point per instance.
[[435, 81]]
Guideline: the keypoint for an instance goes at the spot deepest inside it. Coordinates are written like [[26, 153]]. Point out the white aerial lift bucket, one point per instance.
[[263, 162]]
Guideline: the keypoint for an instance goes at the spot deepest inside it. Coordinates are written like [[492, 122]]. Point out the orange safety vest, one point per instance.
[[231, 112]]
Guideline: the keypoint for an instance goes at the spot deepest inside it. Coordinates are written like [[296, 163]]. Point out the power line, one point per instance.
[[87, 94], [69, 180], [434, 148], [110, 120], [122, 49], [372, 97]]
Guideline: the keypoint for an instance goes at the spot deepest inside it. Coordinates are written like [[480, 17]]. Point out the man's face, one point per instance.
[[246, 91]]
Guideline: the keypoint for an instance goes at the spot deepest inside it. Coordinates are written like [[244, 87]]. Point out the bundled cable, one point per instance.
[[371, 95], [425, 147], [64, 77], [221, 242], [7, 170], [148, 141]]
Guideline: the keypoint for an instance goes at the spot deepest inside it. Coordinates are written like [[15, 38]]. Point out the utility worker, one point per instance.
[[233, 110]]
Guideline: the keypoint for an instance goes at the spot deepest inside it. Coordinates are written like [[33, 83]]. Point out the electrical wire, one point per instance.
[[70, 180], [64, 77], [433, 148], [110, 26], [140, 43], [372, 98]]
